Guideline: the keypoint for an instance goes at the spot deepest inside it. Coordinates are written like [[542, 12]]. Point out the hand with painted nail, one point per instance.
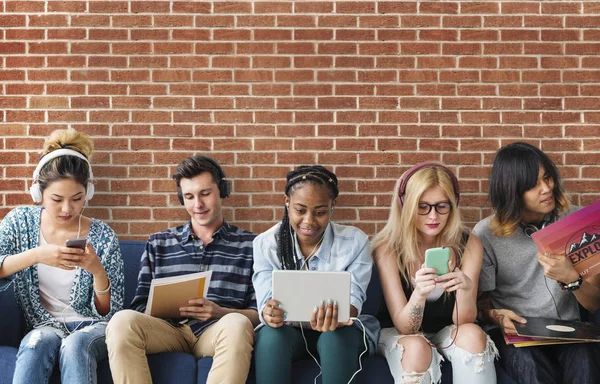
[[274, 314], [504, 318], [324, 316], [455, 280]]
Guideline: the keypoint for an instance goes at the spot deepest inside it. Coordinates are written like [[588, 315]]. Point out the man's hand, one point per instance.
[[203, 309]]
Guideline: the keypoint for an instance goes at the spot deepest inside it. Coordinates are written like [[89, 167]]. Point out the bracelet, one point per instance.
[[575, 285], [104, 291]]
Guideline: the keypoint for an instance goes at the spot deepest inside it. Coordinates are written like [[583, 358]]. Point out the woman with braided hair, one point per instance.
[[307, 239]]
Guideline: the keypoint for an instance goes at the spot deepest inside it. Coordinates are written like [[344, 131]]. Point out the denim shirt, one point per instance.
[[344, 248]]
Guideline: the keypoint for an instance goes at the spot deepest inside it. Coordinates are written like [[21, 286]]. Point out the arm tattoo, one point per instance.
[[415, 318]]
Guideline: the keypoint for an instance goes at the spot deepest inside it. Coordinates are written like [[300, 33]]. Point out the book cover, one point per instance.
[[168, 294], [577, 236], [525, 341]]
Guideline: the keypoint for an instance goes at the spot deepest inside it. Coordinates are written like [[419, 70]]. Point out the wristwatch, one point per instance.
[[571, 286]]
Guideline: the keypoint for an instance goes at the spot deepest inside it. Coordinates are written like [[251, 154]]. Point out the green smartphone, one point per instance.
[[438, 258]]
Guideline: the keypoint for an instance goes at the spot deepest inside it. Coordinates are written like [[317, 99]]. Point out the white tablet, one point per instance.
[[299, 292]]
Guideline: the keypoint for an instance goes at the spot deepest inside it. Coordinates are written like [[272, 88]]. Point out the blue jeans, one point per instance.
[[77, 352], [550, 364]]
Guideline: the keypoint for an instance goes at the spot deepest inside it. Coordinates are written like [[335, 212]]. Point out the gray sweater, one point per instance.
[[515, 279]]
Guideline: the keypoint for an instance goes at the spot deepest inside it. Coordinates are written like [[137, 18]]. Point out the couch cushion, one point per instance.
[[8, 357], [374, 294], [131, 251], [11, 321], [167, 367]]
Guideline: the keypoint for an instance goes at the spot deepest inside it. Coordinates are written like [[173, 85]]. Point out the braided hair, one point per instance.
[[305, 174]]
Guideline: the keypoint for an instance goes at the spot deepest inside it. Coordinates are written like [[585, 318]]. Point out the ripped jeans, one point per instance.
[[77, 353], [466, 366]]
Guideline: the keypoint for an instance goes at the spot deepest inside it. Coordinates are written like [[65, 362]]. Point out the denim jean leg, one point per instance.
[[531, 365], [579, 362], [37, 355], [81, 351]]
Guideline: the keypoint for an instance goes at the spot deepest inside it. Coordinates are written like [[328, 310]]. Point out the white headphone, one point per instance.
[[35, 191]]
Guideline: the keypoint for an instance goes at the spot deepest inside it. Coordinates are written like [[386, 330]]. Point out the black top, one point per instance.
[[436, 315]]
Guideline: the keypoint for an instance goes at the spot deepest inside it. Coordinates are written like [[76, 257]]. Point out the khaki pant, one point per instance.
[[130, 335]]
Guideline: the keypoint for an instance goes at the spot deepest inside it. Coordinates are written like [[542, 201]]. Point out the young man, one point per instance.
[[517, 282], [220, 325]]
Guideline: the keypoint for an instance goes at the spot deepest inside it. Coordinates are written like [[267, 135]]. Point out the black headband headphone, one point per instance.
[[223, 184], [530, 228], [412, 170]]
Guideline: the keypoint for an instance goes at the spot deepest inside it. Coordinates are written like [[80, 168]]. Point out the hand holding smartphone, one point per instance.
[[76, 243], [438, 258]]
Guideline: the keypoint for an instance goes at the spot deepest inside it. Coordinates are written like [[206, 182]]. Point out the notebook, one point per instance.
[[168, 294], [540, 327], [299, 292]]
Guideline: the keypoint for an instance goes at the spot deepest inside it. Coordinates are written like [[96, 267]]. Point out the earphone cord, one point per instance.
[[552, 296], [314, 250], [360, 367]]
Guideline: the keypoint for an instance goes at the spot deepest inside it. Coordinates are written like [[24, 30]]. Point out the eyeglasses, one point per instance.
[[441, 208]]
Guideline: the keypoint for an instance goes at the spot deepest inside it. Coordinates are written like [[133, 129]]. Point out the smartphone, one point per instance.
[[438, 258], [76, 243]]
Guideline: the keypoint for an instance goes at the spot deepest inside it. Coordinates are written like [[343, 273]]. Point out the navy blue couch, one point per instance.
[[183, 368]]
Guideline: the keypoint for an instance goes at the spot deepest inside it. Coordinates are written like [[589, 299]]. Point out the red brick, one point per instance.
[[337, 21], [272, 34], [337, 48], [462, 49], [354, 34], [295, 76], [380, 21], [520, 7], [461, 21], [480, 117], [296, 21], [108, 7], [543, 22], [255, 21]]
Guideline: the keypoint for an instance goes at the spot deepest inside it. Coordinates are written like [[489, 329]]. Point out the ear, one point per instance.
[[287, 201], [332, 205]]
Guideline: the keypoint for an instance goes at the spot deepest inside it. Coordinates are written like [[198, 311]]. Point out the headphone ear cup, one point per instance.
[[180, 197], [224, 188], [90, 191], [36, 193]]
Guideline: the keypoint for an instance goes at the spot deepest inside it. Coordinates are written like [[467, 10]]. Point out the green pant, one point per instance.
[[277, 348]]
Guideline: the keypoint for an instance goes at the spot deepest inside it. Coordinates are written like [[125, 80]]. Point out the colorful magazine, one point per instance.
[[577, 236]]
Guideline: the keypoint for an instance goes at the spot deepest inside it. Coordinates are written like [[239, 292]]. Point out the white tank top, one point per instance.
[[55, 290]]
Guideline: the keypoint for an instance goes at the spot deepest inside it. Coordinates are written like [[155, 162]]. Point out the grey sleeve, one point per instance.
[[487, 276]]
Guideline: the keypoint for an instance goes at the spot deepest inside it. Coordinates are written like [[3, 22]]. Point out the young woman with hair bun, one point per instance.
[[67, 294]]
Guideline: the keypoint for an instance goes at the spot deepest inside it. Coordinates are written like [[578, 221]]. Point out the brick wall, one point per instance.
[[366, 88]]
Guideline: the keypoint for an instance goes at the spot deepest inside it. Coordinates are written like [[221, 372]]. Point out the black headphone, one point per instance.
[[224, 184], [530, 228]]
